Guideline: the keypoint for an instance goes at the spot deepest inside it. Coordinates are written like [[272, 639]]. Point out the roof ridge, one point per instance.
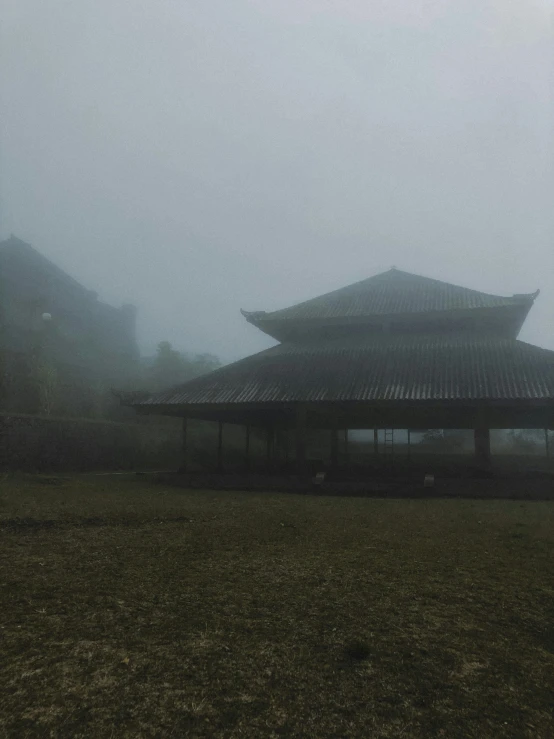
[[394, 271], [435, 280], [378, 295]]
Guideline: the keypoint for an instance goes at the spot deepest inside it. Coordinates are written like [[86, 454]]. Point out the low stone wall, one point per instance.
[[39, 443]]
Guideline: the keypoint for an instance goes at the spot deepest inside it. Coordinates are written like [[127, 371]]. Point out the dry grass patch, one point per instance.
[[133, 610]]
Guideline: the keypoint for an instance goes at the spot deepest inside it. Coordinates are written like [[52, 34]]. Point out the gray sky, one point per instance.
[[196, 157]]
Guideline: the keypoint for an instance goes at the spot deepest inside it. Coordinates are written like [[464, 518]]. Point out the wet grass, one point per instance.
[[129, 609]]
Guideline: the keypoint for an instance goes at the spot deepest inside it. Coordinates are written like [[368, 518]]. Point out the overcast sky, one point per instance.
[[196, 157]]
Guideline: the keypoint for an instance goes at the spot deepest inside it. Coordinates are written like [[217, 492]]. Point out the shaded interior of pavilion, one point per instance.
[[305, 441]]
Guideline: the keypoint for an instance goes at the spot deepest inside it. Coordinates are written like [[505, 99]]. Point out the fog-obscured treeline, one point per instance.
[[37, 384]]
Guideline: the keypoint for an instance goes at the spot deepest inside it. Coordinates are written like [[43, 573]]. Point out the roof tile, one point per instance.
[[376, 369], [389, 293]]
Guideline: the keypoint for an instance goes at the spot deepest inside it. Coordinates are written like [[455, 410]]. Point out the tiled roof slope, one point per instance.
[[369, 369], [24, 253], [389, 293]]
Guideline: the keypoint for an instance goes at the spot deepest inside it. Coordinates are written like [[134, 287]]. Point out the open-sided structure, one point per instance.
[[393, 351]]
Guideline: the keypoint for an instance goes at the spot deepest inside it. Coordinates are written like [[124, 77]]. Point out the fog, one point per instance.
[[198, 157]]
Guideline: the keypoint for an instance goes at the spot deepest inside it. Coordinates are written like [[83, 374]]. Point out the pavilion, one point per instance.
[[395, 351]]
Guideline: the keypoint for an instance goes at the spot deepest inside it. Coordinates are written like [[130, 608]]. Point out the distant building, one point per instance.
[[47, 316]]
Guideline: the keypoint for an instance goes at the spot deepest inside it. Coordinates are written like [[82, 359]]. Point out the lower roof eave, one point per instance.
[[180, 409], [244, 412]]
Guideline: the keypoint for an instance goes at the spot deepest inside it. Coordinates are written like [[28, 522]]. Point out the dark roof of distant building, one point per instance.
[[401, 368], [22, 252], [390, 293]]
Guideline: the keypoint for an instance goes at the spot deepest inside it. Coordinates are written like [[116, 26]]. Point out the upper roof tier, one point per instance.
[[397, 300]]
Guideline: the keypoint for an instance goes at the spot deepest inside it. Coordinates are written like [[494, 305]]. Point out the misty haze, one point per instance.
[[198, 158], [277, 368]]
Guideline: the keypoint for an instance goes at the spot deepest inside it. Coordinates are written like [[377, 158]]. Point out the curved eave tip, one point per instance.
[[252, 315], [527, 296]]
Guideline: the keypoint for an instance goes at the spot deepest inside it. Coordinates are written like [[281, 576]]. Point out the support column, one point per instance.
[[247, 448], [547, 443], [346, 446], [184, 446], [269, 446], [482, 447], [375, 441], [334, 447], [220, 447], [409, 445], [301, 438]]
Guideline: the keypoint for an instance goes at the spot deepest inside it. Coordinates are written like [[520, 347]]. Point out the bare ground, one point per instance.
[[130, 609]]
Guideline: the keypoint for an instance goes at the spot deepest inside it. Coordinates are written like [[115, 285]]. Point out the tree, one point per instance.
[[201, 364], [171, 367], [168, 368]]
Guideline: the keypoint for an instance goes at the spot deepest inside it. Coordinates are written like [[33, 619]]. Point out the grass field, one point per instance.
[[132, 610]]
